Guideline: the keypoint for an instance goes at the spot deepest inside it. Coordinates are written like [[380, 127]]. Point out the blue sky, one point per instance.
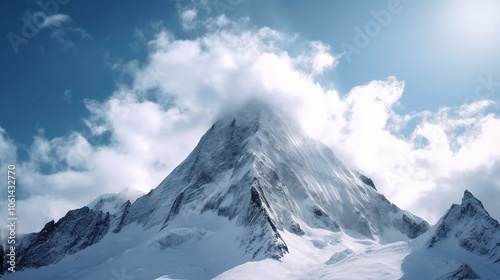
[[396, 72]]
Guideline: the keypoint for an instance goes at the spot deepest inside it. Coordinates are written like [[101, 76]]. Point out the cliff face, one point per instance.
[[77, 230]]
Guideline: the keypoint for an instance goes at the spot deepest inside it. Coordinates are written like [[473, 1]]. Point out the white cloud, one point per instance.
[[138, 135], [63, 28], [67, 95], [156, 24], [55, 20], [65, 36], [8, 150], [319, 59], [469, 110], [188, 18], [5, 143]]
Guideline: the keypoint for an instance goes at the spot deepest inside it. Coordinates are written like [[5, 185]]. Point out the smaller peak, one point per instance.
[[467, 193], [111, 202], [469, 198], [130, 194], [472, 207], [467, 221]]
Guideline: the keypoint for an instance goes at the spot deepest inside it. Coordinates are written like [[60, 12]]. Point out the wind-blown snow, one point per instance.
[[113, 203]]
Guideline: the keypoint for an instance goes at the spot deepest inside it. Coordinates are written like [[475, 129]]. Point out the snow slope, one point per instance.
[[346, 258]]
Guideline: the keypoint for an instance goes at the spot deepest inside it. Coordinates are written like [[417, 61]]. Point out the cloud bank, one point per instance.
[[422, 161]]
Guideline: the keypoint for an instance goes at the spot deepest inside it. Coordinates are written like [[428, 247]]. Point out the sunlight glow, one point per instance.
[[475, 24]]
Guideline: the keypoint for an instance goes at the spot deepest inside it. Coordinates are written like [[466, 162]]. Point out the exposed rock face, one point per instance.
[[77, 230], [411, 229], [366, 180], [463, 272]]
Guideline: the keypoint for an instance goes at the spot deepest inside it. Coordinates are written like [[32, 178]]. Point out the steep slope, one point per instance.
[[252, 180], [464, 244]]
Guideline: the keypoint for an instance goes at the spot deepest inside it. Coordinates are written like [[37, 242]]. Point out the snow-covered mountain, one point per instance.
[[257, 169], [464, 244], [255, 195]]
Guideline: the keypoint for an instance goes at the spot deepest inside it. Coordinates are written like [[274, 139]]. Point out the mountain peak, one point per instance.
[[471, 206], [250, 110], [468, 196], [459, 245], [470, 199], [471, 225], [257, 115]]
